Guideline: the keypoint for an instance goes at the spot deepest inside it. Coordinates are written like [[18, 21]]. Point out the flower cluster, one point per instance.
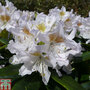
[[42, 41]]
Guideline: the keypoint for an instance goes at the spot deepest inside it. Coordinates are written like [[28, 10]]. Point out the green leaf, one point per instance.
[[77, 59], [82, 67], [3, 61], [4, 41], [4, 34], [84, 78], [57, 88], [86, 46], [86, 85], [28, 82], [20, 85], [9, 71], [2, 47], [33, 86], [67, 82], [86, 56]]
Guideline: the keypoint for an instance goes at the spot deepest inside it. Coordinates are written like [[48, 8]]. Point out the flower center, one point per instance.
[[62, 13], [41, 27], [40, 55]]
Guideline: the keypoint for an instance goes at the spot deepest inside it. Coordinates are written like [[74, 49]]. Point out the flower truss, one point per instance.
[[41, 41]]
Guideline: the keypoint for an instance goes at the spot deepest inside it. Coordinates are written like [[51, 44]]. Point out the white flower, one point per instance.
[[44, 23], [24, 40], [69, 20], [60, 14], [85, 34], [10, 7], [5, 15], [50, 49], [42, 41], [29, 54], [14, 20], [84, 28], [59, 46], [36, 62], [72, 22], [25, 17], [33, 61]]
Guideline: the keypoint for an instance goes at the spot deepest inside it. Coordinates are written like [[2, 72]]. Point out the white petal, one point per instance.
[[47, 75], [23, 71]]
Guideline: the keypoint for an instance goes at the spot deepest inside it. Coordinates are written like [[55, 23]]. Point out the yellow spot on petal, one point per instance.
[[36, 54], [67, 20], [42, 74], [7, 8], [19, 39], [55, 38], [59, 39], [79, 24], [62, 13], [47, 57], [26, 31], [5, 18], [41, 27], [52, 37]]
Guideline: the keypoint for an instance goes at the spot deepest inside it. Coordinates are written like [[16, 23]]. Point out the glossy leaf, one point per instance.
[[86, 56], [86, 85], [28, 82], [9, 71], [4, 41], [67, 82], [2, 47], [82, 67]]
